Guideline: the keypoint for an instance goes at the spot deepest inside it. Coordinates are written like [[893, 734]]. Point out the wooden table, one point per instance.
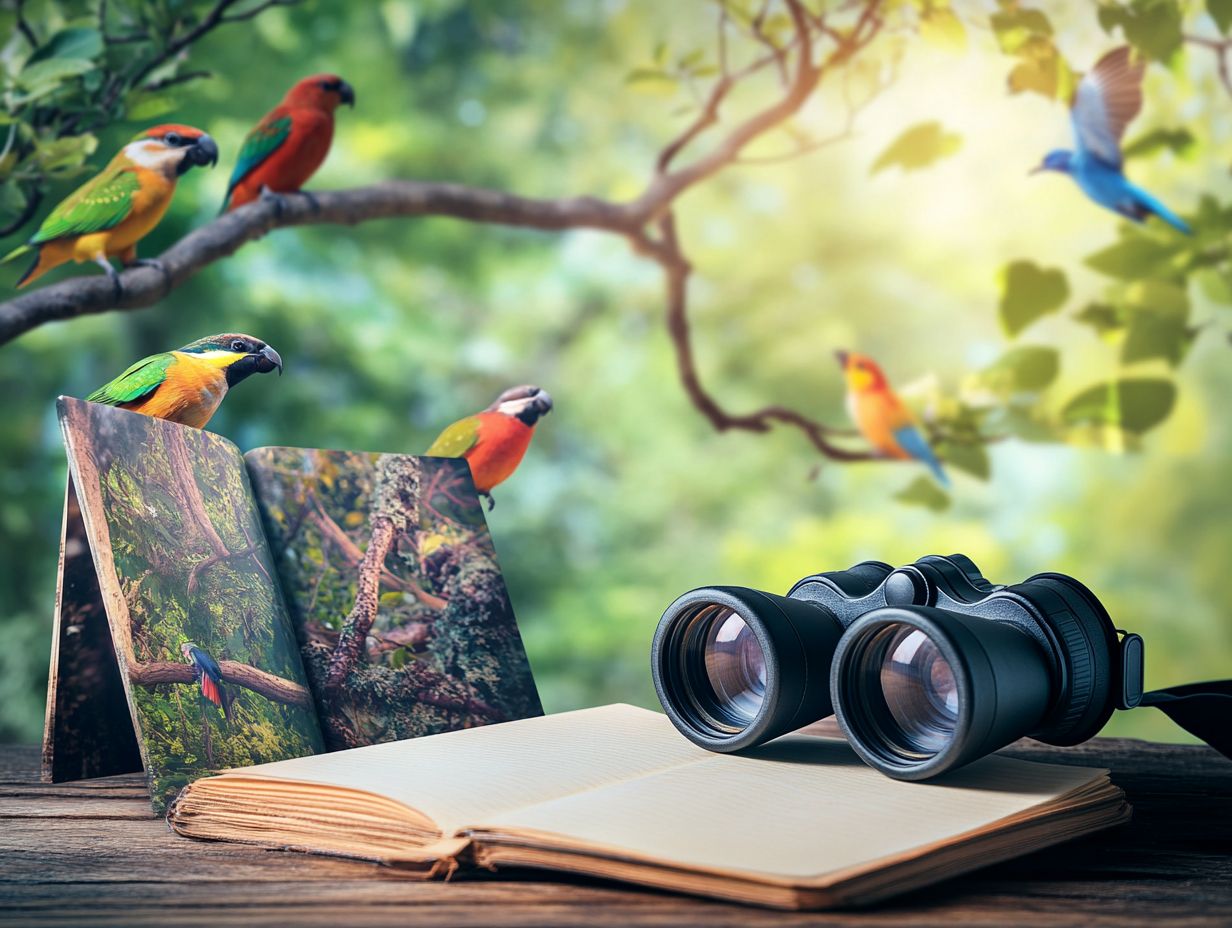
[[90, 853]]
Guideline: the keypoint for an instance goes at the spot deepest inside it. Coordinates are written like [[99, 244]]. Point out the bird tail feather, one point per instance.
[[209, 689], [1153, 206]]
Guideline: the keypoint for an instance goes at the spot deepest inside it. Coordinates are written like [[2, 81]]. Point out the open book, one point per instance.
[[616, 792], [217, 609]]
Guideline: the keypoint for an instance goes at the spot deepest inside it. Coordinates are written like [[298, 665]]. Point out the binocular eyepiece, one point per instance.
[[927, 666]]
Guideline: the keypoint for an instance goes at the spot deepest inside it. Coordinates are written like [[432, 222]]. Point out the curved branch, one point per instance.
[[145, 286], [272, 687]]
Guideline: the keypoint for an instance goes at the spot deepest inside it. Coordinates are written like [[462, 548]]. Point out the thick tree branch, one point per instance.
[[272, 687]]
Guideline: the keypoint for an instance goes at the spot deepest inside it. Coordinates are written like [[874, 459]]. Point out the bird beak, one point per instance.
[[347, 93], [842, 358], [268, 359], [1039, 168], [543, 400], [203, 152]]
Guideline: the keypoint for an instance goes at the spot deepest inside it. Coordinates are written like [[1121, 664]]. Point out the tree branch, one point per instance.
[[1220, 47], [272, 687]]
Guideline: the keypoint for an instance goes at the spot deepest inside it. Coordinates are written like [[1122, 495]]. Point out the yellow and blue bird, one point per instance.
[[882, 418], [1106, 101], [188, 384]]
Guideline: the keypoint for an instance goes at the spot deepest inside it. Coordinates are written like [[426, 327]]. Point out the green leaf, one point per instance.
[[12, 198], [1042, 69], [651, 80], [1014, 27], [918, 147], [1029, 369], [1158, 314], [1102, 317], [77, 42], [1180, 141], [1221, 12], [45, 74], [970, 457], [1135, 405], [924, 491], [1136, 256], [1029, 292], [940, 26], [66, 154], [397, 660], [1151, 26]]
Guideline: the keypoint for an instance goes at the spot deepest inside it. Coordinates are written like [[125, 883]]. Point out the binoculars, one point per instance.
[[927, 666]]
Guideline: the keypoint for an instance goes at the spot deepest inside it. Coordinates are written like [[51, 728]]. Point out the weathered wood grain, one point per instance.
[[90, 853]]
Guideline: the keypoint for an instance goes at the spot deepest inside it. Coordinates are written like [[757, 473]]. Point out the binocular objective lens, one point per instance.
[[919, 689], [735, 665]]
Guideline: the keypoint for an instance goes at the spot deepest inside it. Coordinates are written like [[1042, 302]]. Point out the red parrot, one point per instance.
[[494, 441], [291, 142]]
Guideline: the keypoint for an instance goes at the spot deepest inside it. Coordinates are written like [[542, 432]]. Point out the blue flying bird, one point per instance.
[[1106, 101]]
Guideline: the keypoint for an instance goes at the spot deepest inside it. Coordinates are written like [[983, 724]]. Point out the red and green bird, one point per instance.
[[494, 441], [106, 217], [290, 143], [186, 385]]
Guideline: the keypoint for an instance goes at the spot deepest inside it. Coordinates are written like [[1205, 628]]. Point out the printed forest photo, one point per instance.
[[391, 577], [208, 649], [802, 283]]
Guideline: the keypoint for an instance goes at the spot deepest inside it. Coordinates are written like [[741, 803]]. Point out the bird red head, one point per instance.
[[172, 147], [321, 91], [863, 374]]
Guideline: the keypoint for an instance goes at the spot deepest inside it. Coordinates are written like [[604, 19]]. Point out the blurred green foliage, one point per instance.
[[1081, 401]]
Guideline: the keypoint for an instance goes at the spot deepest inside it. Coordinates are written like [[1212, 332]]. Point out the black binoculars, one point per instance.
[[927, 666]]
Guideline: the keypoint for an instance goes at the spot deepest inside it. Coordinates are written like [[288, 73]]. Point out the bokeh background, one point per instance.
[[392, 329]]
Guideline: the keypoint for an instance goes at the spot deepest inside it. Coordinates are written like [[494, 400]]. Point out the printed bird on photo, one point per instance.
[[187, 385], [209, 675], [882, 418], [107, 216], [1106, 101], [494, 441], [290, 143]]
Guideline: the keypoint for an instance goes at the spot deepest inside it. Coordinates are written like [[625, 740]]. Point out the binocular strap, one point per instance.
[[1202, 709]]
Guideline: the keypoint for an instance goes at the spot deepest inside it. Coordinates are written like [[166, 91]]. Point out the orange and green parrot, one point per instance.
[[882, 418], [290, 143], [494, 441], [106, 217], [186, 385]]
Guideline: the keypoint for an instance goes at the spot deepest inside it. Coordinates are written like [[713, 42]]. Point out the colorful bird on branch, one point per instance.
[[209, 675], [188, 384], [106, 217], [1106, 101], [494, 441], [290, 143], [882, 418]]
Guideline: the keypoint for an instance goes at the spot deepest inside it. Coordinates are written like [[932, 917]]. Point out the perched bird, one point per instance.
[[882, 418], [186, 385], [1106, 101], [106, 217], [209, 675], [290, 143], [494, 441]]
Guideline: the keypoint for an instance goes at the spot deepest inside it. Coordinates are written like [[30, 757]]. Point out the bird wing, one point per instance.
[[139, 381], [1108, 97], [95, 206], [206, 662], [259, 144], [456, 440]]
